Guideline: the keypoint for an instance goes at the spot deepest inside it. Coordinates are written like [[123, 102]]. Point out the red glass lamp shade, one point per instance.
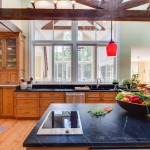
[[111, 49]]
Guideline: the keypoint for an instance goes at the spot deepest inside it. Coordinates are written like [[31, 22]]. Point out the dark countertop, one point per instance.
[[63, 90], [117, 129]]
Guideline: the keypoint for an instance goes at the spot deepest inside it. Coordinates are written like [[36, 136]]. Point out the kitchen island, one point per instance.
[[117, 129]]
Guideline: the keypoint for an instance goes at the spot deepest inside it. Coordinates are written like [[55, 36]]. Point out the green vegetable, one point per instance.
[[141, 96], [98, 112], [120, 96], [146, 102]]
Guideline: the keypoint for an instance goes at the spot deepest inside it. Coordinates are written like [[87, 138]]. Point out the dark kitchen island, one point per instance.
[[115, 130]]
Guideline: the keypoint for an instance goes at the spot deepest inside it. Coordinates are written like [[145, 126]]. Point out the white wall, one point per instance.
[[131, 34]]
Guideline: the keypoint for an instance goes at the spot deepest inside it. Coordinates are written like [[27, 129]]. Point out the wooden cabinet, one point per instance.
[[11, 57], [26, 104], [1, 101], [7, 101], [100, 97], [46, 98]]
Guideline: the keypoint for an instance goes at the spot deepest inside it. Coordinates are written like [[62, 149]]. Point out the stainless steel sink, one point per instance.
[[61, 123], [103, 89]]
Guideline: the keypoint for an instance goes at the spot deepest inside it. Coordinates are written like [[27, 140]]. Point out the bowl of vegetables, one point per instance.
[[134, 102]]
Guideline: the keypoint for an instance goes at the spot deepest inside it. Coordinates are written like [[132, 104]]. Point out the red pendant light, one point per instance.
[[111, 48]]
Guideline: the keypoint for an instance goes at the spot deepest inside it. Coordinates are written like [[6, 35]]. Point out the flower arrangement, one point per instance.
[[26, 84], [24, 80]]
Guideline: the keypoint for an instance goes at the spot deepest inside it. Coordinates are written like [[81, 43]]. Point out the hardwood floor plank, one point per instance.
[[13, 137]]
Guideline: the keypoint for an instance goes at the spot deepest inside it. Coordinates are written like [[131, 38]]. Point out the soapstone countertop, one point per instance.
[[117, 129]]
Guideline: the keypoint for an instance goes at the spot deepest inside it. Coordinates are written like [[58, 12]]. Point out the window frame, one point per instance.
[[74, 43]]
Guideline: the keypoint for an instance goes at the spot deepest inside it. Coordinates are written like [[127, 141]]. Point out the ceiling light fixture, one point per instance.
[[73, 4], [111, 48], [33, 4], [55, 4]]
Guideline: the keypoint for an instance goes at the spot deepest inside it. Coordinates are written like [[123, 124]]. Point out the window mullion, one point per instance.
[[74, 51]]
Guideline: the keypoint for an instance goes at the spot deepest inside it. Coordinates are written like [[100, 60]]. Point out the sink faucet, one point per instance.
[[98, 79]]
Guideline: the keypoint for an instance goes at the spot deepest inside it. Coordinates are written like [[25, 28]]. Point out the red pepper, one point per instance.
[[134, 100], [135, 96], [140, 101]]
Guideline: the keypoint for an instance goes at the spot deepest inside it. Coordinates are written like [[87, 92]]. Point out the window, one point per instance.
[[86, 62], [71, 52], [62, 63]]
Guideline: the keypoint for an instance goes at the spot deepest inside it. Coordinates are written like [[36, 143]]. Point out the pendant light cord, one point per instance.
[[111, 30]]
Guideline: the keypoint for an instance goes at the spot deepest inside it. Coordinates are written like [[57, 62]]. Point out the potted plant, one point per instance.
[[115, 81], [127, 83], [135, 80]]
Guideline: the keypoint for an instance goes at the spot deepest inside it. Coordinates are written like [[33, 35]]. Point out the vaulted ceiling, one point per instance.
[[118, 10]]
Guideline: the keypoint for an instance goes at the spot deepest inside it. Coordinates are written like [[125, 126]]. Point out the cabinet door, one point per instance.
[[7, 102], [45, 102], [1, 101], [3, 77], [12, 77], [108, 97], [11, 53]]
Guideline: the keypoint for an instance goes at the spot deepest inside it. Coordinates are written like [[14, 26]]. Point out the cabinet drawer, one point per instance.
[[92, 100], [27, 94], [47, 102], [26, 102], [27, 112], [52, 94], [109, 94], [92, 94], [107, 100]]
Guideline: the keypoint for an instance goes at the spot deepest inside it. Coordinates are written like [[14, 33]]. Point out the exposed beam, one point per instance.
[[133, 3], [69, 28], [50, 24], [92, 23], [9, 25], [76, 14]]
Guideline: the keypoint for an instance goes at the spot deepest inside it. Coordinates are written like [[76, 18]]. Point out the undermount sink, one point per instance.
[[101, 89]]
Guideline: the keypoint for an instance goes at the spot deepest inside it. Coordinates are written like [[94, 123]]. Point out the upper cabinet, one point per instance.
[[11, 57]]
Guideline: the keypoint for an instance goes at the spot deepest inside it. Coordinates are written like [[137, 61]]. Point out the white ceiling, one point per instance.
[[142, 52]]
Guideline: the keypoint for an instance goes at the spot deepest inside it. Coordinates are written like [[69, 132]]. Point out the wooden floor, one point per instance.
[[13, 137]]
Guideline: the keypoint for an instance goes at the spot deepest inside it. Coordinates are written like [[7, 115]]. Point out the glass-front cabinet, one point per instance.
[[0, 53], [11, 53], [11, 57]]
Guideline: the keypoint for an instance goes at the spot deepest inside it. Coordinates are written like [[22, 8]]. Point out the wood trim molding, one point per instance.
[[76, 14]]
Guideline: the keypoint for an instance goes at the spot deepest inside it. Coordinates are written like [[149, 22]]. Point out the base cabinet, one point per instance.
[[7, 101], [47, 98], [26, 104], [101, 97], [34, 104]]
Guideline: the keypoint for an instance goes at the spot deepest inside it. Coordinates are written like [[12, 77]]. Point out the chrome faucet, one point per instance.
[[98, 79]]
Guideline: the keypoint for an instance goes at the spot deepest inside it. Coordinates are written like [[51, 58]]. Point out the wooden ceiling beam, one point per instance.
[[76, 14], [133, 3], [69, 28]]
